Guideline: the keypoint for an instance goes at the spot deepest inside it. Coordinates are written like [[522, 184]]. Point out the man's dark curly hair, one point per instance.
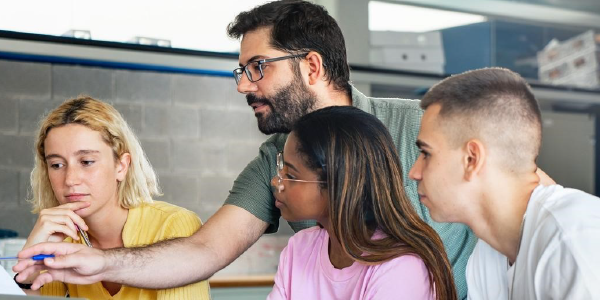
[[300, 26]]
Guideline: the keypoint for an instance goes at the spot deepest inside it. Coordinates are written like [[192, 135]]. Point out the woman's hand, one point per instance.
[[55, 224]]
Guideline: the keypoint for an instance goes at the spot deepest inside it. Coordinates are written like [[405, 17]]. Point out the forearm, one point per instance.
[[182, 261], [167, 264]]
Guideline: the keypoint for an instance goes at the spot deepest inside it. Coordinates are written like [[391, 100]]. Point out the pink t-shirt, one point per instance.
[[305, 272]]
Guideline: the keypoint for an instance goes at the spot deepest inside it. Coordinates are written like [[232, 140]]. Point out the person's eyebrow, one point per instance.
[[421, 144], [78, 153], [84, 152], [49, 156], [291, 166], [253, 58]]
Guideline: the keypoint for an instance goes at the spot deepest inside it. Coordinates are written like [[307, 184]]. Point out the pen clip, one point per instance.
[[84, 236]]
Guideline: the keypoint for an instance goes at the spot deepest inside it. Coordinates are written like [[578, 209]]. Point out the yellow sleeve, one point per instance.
[[55, 288], [183, 224], [199, 290]]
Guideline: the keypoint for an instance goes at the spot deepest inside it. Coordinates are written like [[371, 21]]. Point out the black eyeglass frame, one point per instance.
[[237, 72]]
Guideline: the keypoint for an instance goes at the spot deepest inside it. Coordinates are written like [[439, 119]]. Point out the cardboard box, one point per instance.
[[557, 51], [574, 62]]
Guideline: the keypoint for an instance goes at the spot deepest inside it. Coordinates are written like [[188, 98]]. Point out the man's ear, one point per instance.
[[474, 158], [123, 166], [315, 67]]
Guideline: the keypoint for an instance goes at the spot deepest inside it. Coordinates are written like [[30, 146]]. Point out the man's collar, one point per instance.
[[359, 100]]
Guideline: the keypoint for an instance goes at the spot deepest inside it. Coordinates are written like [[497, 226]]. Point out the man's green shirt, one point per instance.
[[252, 189]]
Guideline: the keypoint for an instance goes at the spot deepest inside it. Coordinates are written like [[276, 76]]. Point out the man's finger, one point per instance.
[[50, 248], [27, 272], [42, 279]]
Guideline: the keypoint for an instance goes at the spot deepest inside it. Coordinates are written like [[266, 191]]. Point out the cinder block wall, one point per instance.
[[197, 131]]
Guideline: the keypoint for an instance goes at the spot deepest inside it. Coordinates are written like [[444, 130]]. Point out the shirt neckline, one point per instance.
[[327, 267]]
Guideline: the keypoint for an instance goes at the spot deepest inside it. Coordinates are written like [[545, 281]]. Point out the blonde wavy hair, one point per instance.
[[140, 183]]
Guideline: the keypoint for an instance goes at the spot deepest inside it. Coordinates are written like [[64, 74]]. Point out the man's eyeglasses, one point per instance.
[[254, 70], [280, 178]]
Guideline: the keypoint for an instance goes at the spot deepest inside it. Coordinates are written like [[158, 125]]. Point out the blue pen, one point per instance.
[[35, 257]]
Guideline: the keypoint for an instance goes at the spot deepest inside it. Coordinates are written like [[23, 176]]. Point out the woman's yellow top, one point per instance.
[[146, 224]]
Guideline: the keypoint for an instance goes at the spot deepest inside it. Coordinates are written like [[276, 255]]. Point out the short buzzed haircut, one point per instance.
[[494, 105]]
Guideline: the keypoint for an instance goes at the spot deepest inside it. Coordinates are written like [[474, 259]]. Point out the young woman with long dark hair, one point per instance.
[[340, 167]]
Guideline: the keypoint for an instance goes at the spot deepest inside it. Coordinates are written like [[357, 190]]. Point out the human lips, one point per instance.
[[257, 103], [278, 203], [74, 197], [258, 106]]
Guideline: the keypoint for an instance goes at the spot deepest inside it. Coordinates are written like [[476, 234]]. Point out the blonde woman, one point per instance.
[[92, 184]]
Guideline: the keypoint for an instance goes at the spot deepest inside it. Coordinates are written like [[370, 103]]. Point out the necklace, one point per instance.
[[512, 286]]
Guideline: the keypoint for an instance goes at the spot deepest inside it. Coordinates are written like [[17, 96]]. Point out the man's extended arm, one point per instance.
[[224, 237]]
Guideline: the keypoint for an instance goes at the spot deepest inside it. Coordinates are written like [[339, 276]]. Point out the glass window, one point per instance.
[[191, 24]]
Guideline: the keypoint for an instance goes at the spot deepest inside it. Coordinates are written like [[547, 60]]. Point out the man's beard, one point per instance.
[[288, 105]]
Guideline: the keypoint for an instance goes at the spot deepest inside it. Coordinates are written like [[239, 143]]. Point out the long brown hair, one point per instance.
[[354, 153]]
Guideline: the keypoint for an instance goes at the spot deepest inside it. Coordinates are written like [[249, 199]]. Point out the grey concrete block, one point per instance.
[[208, 91], [183, 122], [203, 214], [8, 114], [182, 190], [20, 220], [214, 158], [214, 191], [189, 89], [187, 155], [178, 122], [250, 132], [238, 101], [25, 189], [132, 113], [9, 188], [156, 121], [239, 154], [32, 112], [157, 152], [71, 81], [223, 124], [16, 151], [139, 86], [25, 80]]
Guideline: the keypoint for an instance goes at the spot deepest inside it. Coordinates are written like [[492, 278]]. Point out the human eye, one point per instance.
[[87, 162], [425, 153], [289, 176], [56, 166], [257, 66]]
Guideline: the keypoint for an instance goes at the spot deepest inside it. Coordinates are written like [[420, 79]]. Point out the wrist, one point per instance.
[[112, 264]]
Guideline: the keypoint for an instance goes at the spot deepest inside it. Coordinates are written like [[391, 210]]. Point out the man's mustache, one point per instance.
[[250, 98]]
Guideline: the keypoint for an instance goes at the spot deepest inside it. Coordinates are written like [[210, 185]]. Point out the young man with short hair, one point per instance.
[[479, 139]]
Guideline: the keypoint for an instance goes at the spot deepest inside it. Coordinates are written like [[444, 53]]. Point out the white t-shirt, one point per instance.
[[559, 256]]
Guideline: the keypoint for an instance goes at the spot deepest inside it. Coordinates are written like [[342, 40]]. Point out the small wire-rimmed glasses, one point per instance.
[[280, 179], [254, 69]]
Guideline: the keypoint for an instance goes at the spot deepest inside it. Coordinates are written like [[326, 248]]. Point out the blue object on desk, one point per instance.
[[35, 257], [7, 233]]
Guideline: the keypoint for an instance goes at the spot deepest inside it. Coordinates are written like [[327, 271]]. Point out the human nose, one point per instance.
[[277, 183], [72, 176], [415, 172], [245, 86]]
